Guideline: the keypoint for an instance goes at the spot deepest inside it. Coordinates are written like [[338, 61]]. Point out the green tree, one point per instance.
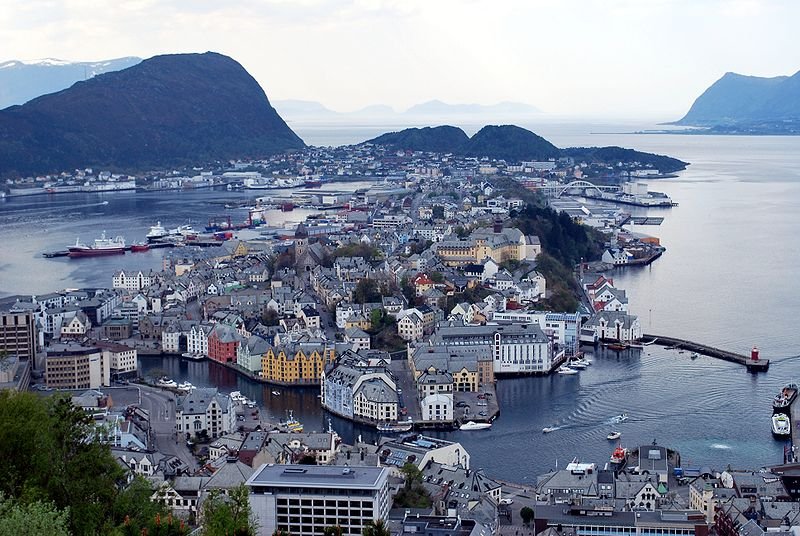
[[413, 494], [437, 277], [133, 506], [366, 291], [333, 530], [33, 519], [526, 514], [438, 212], [228, 515], [376, 319], [270, 317], [377, 527]]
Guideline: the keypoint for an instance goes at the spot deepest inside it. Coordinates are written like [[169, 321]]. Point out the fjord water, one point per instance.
[[726, 279]]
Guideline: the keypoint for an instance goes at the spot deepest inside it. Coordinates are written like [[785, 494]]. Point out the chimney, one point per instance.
[[498, 225]]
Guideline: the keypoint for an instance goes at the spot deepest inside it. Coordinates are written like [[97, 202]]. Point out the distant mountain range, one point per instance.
[[167, 110], [298, 110], [748, 104], [514, 144], [21, 81]]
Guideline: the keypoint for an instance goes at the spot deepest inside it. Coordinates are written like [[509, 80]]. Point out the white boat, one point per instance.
[[166, 382], [695, 355], [156, 232], [781, 425], [614, 435], [186, 386], [472, 425], [549, 429], [577, 365], [563, 369], [101, 246], [622, 417], [276, 393], [236, 396]]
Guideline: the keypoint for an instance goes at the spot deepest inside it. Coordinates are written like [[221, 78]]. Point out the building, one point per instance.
[[564, 327], [122, 360], [516, 349], [132, 281], [250, 353], [296, 363], [72, 366], [499, 244], [204, 410], [18, 335], [422, 450], [587, 520], [15, 373], [304, 499], [355, 389], [615, 326], [223, 341]]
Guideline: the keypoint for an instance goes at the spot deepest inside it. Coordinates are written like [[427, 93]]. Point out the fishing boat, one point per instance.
[[781, 426], [139, 246], [614, 435], [548, 429], [101, 246], [292, 424], [784, 399], [563, 369], [472, 425]]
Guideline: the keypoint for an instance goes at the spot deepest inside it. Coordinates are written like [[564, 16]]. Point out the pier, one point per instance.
[[753, 365]]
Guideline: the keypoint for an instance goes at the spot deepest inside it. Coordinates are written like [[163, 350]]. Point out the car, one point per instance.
[[483, 414], [482, 404], [481, 396], [506, 501], [461, 404]]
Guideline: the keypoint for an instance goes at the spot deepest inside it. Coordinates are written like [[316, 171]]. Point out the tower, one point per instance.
[[300, 241]]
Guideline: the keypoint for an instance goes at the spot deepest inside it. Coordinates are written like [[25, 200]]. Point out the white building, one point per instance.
[[302, 500], [131, 281], [615, 326], [410, 325], [205, 409], [197, 339], [121, 359], [437, 407]]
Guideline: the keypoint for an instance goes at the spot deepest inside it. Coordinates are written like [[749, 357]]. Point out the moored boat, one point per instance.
[[781, 426], [619, 455], [394, 427], [617, 347], [166, 382], [784, 399], [472, 425], [140, 247], [101, 246], [156, 232], [563, 369]]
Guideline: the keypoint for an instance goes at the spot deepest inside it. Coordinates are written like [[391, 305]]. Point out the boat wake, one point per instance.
[[721, 446]]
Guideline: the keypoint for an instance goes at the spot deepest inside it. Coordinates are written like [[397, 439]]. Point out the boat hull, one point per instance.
[[89, 252]]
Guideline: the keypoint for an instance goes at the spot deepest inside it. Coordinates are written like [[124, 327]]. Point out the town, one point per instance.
[[404, 309]]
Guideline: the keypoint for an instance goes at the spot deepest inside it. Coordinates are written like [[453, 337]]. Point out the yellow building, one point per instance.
[[499, 244], [357, 321], [296, 364]]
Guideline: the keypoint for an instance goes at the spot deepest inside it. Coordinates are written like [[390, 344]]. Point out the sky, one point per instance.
[[598, 58]]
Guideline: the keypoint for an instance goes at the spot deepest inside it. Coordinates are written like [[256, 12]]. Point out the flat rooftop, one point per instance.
[[317, 476]]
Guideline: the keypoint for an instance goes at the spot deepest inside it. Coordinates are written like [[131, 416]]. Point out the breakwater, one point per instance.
[[753, 365]]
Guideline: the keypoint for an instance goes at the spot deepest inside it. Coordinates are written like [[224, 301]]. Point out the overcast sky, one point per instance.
[[605, 58]]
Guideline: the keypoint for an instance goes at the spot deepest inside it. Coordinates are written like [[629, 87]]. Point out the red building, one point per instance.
[[222, 344]]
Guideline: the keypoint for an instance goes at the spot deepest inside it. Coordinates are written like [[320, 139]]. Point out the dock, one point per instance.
[[753, 365]]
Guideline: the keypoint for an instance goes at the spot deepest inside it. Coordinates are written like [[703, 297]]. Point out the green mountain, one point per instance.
[[515, 144], [167, 110], [736, 100]]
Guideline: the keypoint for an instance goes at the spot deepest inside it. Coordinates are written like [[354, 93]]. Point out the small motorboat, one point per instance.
[[622, 417], [563, 369], [186, 386], [472, 425], [548, 429], [781, 425], [276, 393], [578, 364], [695, 355], [614, 435], [166, 382]]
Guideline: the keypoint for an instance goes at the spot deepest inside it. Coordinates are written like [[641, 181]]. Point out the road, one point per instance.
[[161, 407]]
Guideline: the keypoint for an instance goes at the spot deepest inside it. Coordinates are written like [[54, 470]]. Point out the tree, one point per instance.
[[228, 515], [366, 291], [270, 317], [32, 519], [438, 212], [413, 494], [376, 319], [333, 530], [526, 514], [133, 506], [376, 528], [437, 277]]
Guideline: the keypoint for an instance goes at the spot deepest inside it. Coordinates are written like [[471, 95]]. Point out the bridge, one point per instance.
[[559, 190]]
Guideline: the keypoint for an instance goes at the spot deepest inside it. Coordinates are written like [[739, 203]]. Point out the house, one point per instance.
[[223, 341], [358, 338], [615, 326], [410, 325], [204, 411], [250, 352], [77, 327]]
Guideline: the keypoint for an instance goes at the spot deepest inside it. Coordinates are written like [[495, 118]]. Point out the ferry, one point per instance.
[[784, 399], [781, 426], [472, 425], [394, 427], [563, 369], [614, 435], [101, 246]]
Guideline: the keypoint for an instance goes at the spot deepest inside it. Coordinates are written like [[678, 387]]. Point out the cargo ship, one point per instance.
[[101, 246]]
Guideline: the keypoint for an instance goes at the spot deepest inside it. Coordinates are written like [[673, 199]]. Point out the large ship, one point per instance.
[[783, 400], [156, 232], [101, 246]]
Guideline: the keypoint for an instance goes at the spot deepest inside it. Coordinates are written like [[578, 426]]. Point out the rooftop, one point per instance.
[[318, 476]]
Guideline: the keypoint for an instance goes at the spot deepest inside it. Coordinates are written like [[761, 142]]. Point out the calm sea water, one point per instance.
[[726, 279]]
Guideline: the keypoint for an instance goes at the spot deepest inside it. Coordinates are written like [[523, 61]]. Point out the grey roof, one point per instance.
[[197, 401], [318, 476], [378, 391], [229, 475]]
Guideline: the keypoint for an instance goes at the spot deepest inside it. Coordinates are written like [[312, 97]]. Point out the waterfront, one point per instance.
[[718, 283]]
